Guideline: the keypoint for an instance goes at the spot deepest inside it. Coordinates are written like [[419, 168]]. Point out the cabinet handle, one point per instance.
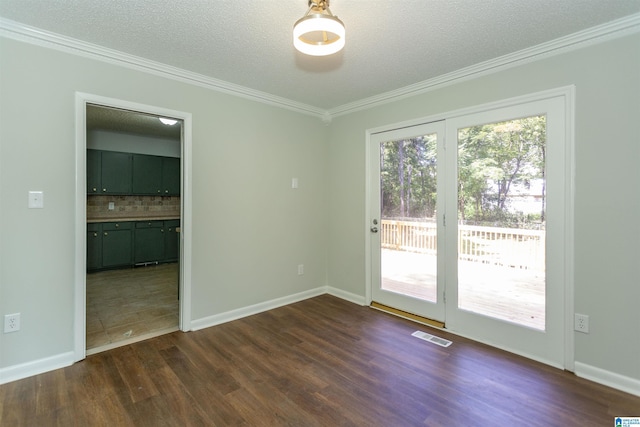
[[95, 234], [104, 190], [162, 230], [159, 191], [106, 234], [117, 225], [166, 191], [169, 230], [95, 189]]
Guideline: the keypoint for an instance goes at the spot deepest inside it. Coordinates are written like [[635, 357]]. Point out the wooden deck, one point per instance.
[[509, 294]]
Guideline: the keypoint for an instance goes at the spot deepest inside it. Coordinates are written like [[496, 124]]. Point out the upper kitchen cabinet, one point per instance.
[[94, 172], [154, 175], [108, 172], [147, 174], [171, 176]]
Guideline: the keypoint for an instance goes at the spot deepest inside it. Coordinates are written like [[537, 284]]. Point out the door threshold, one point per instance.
[[131, 340], [407, 315]]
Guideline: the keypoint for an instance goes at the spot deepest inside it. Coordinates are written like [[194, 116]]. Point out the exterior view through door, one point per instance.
[[460, 230], [408, 244]]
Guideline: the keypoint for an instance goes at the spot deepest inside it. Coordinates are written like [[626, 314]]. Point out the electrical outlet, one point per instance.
[[11, 322], [300, 269], [581, 323]]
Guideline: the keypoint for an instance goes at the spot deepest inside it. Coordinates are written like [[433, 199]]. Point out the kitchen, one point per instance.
[[133, 225]]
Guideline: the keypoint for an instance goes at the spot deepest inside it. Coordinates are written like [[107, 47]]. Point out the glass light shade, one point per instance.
[[166, 121], [331, 29]]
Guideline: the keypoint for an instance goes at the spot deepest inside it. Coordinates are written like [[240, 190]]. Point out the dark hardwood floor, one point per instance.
[[320, 362]]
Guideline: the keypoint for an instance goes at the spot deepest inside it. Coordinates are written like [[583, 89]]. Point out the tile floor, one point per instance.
[[129, 305]]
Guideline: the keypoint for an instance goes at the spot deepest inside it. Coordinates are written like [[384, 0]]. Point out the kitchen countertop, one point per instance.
[[132, 219]]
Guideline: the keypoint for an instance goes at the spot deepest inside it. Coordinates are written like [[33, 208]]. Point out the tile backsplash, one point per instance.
[[132, 207]]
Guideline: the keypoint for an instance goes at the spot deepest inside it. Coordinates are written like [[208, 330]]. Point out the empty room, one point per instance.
[[319, 213]]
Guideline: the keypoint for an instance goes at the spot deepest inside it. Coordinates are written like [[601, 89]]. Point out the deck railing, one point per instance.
[[507, 247]]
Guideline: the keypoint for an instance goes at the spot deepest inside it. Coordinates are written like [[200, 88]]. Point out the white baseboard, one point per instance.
[[608, 378], [348, 296], [36, 367], [239, 313]]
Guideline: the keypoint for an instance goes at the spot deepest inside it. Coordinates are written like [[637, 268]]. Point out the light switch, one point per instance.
[[112, 206], [294, 182], [36, 200]]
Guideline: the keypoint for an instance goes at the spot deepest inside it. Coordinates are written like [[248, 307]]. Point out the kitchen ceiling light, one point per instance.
[[318, 32], [169, 122]]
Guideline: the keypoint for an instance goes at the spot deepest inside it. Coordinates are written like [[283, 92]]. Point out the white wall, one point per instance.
[[607, 205], [250, 229]]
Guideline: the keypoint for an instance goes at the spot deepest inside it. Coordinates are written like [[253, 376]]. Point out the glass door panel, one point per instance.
[[501, 220], [506, 238], [406, 241]]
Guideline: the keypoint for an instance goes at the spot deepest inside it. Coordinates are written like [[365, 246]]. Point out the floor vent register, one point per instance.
[[431, 338]]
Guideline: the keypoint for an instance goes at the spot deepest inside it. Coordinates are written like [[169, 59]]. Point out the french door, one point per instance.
[[471, 231], [406, 223]]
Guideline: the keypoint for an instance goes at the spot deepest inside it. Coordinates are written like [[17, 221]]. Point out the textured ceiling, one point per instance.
[[390, 44], [114, 119]]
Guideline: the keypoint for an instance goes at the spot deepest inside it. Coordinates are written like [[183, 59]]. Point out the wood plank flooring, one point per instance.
[[319, 362]]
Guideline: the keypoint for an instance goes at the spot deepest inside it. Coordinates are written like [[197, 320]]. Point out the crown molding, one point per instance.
[[612, 30], [18, 31], [591, 36]]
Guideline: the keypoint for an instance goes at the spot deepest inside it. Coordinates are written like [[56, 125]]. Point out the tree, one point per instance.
[[408, 177], [494, 157]]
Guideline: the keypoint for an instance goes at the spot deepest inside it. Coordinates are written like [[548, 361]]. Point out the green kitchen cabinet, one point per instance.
[[172, 240], [171, 176], [108, 172], [117, 244], [149, 242], [111, 172], [94, 246], [147, 175], [94, 172], [116, 172]]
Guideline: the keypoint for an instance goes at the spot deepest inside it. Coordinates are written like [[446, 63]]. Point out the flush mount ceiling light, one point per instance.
[[318, 32], [169, 122]]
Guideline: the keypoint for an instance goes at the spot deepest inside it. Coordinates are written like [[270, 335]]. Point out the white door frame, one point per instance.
[[80, 272], [568, 93]]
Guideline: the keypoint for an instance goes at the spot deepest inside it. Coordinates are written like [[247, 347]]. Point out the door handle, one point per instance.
[[374, 229]]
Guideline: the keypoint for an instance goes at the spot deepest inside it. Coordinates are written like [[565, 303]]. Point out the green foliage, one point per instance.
[[493, 159], [408, 173]]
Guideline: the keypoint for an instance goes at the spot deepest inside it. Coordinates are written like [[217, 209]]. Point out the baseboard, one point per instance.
[[36, 367], [239, 313], [608, 378], [348, 296]]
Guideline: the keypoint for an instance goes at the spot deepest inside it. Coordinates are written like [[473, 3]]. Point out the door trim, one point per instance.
[[80, 270], [568, 93]]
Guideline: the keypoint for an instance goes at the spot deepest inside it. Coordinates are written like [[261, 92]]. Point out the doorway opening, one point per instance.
[[133, 223]]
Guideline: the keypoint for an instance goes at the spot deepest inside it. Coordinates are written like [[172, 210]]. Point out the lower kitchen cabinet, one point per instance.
[[149, 242], [109, 245], [94, 246], [116, 244], [172, 240], [124, 244]]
